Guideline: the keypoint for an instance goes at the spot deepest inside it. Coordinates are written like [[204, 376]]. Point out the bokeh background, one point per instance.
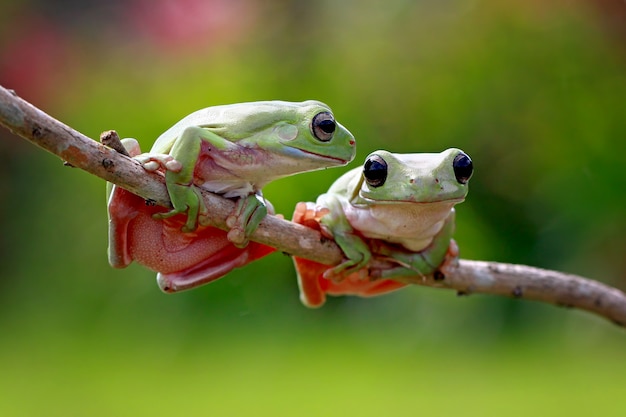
[[534, 91]]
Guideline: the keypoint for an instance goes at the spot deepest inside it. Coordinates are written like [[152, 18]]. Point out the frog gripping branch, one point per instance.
[[183, 259], [232, 150], [393, 217], [468, 277]]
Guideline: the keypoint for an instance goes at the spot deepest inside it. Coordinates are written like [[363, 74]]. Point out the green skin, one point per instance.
[[409, 220], [234, 150]]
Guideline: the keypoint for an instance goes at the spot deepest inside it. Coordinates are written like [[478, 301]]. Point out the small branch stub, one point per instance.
[[111, 139]]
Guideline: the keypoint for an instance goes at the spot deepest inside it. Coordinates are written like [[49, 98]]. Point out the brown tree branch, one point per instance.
[[518, 281]]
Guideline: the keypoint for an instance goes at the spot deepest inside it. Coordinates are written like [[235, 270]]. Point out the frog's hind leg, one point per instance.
[[213, 267], [380, 287], [357, 284], [310, 281], [122, 209]]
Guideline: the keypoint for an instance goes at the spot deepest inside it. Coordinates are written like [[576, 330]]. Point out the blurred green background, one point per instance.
[[535, 93]]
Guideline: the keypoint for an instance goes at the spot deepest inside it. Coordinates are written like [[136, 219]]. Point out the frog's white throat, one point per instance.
[[413, 225]]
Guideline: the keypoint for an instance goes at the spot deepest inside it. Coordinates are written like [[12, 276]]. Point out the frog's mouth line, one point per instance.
[[320, 156], [446, 201]]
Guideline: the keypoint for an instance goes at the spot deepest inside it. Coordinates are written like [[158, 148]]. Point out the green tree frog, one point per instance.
[[392, 217], [232, 150]]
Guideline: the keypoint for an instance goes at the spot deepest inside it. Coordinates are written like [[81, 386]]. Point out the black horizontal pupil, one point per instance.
[[328, 126]]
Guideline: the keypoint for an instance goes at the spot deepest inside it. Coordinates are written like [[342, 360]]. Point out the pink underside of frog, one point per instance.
[[314, 287], [180, 258]]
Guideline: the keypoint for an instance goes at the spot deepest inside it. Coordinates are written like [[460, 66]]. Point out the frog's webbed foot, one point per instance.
[[309, 215], [250, 211], [420, 265], [346, 268], [357, 255], [438, 258], [155, 161]]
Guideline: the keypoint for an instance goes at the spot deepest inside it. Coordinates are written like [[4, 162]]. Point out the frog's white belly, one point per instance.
[[413, 225], [230, 188]]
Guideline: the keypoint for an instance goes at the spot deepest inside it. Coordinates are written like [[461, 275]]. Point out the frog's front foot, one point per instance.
[[309, 215], [185, 199], [250, 211], [356, 262], [155, 161]]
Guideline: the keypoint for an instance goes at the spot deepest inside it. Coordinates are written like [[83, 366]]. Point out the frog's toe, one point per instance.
[[332, 275], [299, 213], [338, 273], [231, 221], [238, 237], [189, 226], [236, 233], [244, 221], [188, 229], [151, 166], [156, 161], [173, 165]]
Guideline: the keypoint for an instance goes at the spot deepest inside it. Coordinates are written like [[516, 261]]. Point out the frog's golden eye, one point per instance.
[[323, 126], [463, 168], [375, 171]]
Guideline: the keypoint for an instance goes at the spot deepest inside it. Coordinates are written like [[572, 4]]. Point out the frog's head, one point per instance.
[[417, 178], [312, 129]]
